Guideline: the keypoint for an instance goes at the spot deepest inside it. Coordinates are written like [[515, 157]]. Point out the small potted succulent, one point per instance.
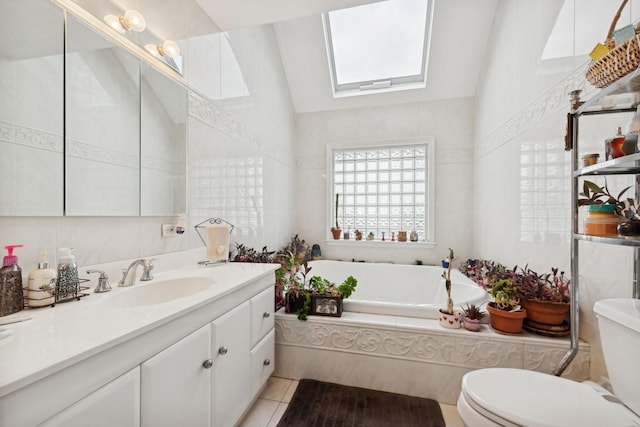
[[472, 316], [505, 313]]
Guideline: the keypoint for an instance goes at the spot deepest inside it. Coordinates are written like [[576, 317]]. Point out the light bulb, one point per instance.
[[114, 22], [133, 20], [169, 48]]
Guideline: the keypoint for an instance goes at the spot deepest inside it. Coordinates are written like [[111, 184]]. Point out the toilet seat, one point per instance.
[[517, 397]]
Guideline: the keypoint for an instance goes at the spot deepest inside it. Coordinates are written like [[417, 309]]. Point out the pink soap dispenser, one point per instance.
[[11, 297]]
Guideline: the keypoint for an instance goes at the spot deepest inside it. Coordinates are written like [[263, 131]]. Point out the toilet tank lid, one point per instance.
[[625, 311]]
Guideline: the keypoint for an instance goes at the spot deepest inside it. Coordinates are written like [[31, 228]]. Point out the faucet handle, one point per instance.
[[124, 276], [103, 281], [146, 270]]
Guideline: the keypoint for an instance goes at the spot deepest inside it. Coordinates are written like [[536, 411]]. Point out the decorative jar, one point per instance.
[[601, 221]]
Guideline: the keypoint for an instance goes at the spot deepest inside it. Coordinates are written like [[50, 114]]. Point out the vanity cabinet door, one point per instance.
[[115, 404], [176, 383], [262, 363], [231, 358]]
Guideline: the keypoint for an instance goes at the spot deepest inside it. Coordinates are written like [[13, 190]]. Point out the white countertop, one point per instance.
[[57, 337]]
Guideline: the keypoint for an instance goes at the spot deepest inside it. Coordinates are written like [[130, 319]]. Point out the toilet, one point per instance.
[[518, 397]]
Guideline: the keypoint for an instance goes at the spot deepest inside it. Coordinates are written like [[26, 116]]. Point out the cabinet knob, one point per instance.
[[266, 362], [266, 314], [223, 350], [207, 364]]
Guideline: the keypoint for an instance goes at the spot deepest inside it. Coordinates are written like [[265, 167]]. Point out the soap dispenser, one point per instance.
[[67, 284], [42, 284], [11, 297]]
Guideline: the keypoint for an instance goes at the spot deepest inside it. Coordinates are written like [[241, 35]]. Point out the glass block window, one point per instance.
[[383, 190]]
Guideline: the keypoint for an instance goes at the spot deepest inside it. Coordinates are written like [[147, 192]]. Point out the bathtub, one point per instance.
[[399, 290]]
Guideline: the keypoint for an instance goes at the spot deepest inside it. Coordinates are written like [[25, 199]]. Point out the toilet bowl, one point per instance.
[[518, 397]]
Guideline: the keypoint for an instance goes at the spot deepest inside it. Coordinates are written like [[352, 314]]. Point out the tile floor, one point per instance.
[[275, 397]]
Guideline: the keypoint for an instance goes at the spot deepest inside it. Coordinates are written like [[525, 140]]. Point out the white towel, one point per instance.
[[218, 242]]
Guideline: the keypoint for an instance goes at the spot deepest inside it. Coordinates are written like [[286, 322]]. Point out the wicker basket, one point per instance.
[[618, 62]]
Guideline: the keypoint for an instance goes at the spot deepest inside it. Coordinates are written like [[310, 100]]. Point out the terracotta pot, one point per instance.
[[471, 324], [450, 321], [547, 312], [506, 321], [336, 233]]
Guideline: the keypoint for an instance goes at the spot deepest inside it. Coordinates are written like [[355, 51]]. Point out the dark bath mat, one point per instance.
[[320, 404]]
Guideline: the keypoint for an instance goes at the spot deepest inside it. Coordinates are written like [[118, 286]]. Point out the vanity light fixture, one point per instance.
[[168, 48], [131, 20]]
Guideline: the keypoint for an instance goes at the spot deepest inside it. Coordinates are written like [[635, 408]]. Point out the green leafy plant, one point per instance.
[[505, 295], [593, 194], [348, 286]]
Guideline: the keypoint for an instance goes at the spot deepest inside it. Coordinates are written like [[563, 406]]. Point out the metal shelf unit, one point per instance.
[[622, 96]]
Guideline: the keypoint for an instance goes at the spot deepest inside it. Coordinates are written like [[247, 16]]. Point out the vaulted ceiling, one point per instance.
[[459, 38]]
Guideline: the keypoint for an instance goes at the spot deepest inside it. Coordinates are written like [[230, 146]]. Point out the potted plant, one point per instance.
[[631, 213], [472, 316], [336, 231], [604, 209], [505, 313], [326, 297], [546, 297], [448, 317], [315, 295]]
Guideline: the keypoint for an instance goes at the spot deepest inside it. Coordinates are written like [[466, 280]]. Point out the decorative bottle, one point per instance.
[[41, 284], [616, 144], [11, 297], [67, 284]]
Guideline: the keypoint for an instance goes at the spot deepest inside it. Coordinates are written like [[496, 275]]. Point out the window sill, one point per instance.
[[379, 244]]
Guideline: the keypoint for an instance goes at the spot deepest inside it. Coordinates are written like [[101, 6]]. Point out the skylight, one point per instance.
[[380, 46]]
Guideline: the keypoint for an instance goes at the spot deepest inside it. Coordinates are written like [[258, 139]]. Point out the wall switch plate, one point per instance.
[[169, 230]]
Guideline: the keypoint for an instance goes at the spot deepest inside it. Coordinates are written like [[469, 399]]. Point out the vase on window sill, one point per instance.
[[336, 233]]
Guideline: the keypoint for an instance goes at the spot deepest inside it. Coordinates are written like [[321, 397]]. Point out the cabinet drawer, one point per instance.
[[262, 315], [115, 404], [262, 362]]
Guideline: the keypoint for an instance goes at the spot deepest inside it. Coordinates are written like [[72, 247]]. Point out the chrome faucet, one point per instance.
[[129, 273]]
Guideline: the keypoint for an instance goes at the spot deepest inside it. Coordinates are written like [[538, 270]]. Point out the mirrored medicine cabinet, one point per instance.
[[86, 128]]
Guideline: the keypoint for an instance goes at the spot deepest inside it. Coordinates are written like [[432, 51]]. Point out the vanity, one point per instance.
[[194, 346]]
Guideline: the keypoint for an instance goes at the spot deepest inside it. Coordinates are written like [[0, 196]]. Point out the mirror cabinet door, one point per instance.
[[163, 131], [102, 144], [31, 108]]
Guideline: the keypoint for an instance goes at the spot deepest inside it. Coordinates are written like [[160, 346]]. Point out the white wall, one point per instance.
[[522, 209], [448, 121], [257, 128]]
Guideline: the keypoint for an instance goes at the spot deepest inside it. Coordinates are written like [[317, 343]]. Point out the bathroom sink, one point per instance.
[[158, 291]]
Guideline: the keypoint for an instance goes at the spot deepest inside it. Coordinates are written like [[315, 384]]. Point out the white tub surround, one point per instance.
[[399, 290], [61, 361], [408, 355]]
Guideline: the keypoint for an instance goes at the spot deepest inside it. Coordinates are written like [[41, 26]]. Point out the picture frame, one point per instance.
[[326, 306]]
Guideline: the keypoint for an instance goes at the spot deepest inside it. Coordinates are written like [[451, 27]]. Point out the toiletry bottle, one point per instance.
[[67, 284], [615, 146], [11, 297], [42, 284]]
